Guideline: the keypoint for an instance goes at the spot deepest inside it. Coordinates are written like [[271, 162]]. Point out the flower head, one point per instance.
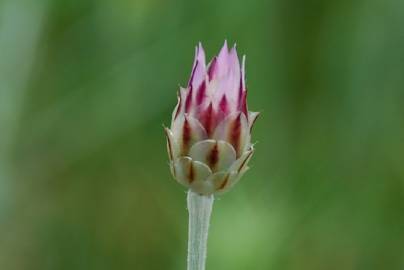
[[209, 139]]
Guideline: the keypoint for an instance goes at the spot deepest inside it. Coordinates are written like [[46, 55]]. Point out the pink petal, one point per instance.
[[227, 80], [207, 118], [199, 68], [201, 94], [212, 68], [223, 105], [234, 75], [223, 60], [235, 133], [188, 101]]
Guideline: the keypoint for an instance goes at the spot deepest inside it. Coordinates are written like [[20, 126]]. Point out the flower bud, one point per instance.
[[209, 142]]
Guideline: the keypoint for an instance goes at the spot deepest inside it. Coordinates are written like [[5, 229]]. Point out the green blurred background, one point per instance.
[[85, 87]]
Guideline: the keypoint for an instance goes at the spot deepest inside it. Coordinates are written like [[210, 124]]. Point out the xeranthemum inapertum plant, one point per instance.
[[209, 141]]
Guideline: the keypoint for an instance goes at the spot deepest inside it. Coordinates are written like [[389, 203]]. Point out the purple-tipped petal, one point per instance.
[[207, 118], [212, 68], [226, 78], [201, 94], [234, 63], [191, 78], [199, 68], [224, 51], [234, 75], [234, 136], [189, 100], [223, 105], [242, 102], [201, 55], [223, 61]]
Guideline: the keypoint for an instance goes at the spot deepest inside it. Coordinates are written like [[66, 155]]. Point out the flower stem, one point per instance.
[[199, 208]]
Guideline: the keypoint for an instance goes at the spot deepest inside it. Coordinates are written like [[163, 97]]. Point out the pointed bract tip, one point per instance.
[[225, 48], [199, 53], [234, 57], [233, 50], [243, 86], [200, 48], [212, 68]]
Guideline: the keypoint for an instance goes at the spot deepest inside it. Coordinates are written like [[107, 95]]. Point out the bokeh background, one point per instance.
[[85, 86]]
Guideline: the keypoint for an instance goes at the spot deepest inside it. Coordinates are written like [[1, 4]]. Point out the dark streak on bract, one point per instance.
[[244, 162], [201, 93], [188, 101], [213, 157], [212, 68], [235, 133], [179, 105], [186, 136], [223, 185], [191, 173], [170, 151]]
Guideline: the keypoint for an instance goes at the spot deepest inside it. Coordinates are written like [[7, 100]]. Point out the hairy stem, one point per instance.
[[199, 208]]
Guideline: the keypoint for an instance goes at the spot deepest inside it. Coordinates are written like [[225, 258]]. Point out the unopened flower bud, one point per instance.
[[209, 141]]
